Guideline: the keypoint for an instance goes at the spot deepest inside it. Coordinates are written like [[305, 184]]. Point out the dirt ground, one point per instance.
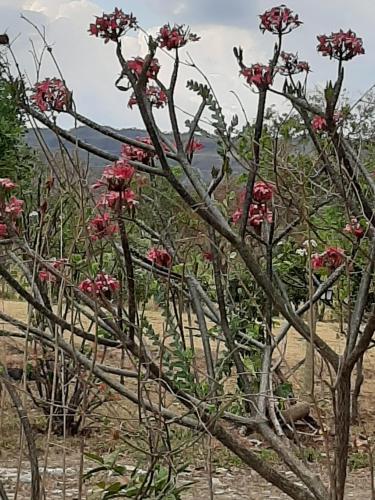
[[230, 480]]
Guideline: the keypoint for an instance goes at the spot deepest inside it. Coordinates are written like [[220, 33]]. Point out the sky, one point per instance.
[[90, 67]]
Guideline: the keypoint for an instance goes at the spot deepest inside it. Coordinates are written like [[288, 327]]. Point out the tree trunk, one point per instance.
[[342, 429], [357, 390]]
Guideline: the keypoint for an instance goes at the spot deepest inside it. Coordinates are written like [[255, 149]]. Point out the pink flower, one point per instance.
[[14, 207], [160, 257], [292, 66], [59, 264], [263, 191], [236, 216], [317, 261], [3, 231], [258, 213], [342, 46], [100, 227], [258, 75], [51, 95], [103, 284], [7, 184], [208, 256], [138, 154], [354, 228], [156, 97], [112, 199], [112, 26], [175, 37], [319, 123], [194, 146], [334, 257], [47, 276], [279, 20], [136, 66], [116, 177], [331, 258]]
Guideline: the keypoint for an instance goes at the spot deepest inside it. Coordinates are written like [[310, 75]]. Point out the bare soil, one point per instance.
[[229, 480]]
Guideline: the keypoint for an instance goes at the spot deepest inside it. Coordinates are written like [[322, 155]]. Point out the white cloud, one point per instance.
[[90, 67]]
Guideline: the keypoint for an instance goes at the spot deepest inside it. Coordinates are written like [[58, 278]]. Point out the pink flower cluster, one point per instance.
[[101, 226], [342, 46], [258, 213], [355, 228], [133, 153], [116, 177], [319, 123], [262, 192], [136, 66], [175, 37], [159, 256], [116, 200], [332, 258], [13, 208], [47, 276], [258, 75], [279, 20], [102, 285], [156, 97], [51, 95], [292, 66], [112, 26], [7, 184], [258, 210], [9, 209]]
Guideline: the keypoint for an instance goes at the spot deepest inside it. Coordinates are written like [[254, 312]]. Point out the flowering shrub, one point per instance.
[[159, 256], [331, 258], [258, 75], [342, 46], [292, 65], [112, 26], [175, 37], [102, 285], [156, 97], [101, 227], [51, 95], [279, 20]]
